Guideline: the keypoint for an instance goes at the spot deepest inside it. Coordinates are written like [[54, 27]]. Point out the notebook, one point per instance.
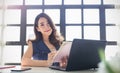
[[81, 54]]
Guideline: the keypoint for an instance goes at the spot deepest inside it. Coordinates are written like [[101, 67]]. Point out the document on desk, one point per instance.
[[6, 66]]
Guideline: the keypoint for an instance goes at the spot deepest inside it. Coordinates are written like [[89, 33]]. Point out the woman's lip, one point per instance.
[[47, 30]]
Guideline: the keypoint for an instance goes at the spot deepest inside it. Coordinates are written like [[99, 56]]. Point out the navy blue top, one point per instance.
[[40, 50]]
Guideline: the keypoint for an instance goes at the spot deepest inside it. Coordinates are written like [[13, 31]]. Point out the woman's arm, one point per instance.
[[27, 61]]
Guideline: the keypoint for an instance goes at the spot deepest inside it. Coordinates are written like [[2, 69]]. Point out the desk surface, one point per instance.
[[45, 70]]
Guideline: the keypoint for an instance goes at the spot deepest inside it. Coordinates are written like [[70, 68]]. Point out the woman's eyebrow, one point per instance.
[[43, 22]]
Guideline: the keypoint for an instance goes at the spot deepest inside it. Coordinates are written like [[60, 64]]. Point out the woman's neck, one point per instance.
[[46, 38]]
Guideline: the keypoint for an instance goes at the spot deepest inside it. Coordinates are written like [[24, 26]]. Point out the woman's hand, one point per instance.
[[63, 62], [50, 57]]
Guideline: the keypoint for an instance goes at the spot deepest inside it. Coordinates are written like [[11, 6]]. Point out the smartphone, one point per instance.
[[20, 69]]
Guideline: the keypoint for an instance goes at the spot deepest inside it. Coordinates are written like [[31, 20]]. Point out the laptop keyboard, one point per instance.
[[56, 64]]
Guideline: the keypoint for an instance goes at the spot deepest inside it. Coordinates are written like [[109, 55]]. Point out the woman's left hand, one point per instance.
[[63, 61]]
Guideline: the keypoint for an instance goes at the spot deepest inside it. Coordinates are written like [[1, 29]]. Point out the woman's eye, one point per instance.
[[42, 25]]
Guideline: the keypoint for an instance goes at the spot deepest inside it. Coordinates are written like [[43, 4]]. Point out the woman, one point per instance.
[[44, 47]]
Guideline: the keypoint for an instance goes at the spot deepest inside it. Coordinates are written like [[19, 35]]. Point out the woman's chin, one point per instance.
[[48, 34]]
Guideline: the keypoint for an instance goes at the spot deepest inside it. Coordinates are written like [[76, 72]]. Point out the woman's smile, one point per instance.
[[47, 30]]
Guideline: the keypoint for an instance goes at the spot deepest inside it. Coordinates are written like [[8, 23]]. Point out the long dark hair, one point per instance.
[[55, 38]]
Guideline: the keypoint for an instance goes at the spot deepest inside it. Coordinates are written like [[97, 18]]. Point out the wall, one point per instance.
[[0, 56], [1, 28]]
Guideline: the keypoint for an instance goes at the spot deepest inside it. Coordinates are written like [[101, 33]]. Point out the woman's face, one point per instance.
[[44, 27]]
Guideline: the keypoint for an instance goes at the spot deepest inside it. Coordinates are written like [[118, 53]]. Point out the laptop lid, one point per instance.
[[82, 54]]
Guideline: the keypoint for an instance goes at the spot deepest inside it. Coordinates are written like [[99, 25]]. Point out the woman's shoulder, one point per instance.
[[34, 42], [37, 43]]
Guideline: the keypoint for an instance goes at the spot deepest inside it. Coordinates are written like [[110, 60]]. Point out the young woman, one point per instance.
[[40, 51]]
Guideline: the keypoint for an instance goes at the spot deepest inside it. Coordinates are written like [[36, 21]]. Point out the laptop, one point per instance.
[[81, 54]]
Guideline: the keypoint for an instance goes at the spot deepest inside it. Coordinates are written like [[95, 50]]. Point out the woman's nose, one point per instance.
[[47, 26]]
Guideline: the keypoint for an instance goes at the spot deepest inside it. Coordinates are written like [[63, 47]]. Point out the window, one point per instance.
[[112, 16], [54, 14], [73, 32], [93, 2], [29, 33], [15, 31], [91, 16], [33, 2], [73, 16], [111, 1], [92, 32], [53, 2], [10, 57], [83, 19], [31, 14], [12, 16], [13, 2], [72, 2], [112, 33]]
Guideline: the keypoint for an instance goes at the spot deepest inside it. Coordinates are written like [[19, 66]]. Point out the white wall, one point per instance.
[[118, 21], [1, 29], [0, 56]]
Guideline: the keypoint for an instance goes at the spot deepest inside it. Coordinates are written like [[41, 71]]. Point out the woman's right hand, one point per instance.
[[50, 57]]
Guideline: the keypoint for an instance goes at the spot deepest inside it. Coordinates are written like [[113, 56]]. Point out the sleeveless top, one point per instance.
[[40, 50]]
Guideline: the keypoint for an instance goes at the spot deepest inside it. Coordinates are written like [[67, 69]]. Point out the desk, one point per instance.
[[45, 70]]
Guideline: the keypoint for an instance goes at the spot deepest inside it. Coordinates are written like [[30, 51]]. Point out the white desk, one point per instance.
[[45, 70]]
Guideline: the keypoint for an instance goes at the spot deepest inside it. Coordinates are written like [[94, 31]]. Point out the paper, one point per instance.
[[7, 66], [63, 51]]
